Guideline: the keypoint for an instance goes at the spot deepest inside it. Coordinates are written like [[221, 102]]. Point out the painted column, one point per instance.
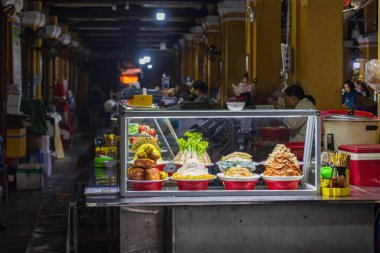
[[187, 56], [232, 18], [211, 26], [266, 42], [198, 63], [317, 41]]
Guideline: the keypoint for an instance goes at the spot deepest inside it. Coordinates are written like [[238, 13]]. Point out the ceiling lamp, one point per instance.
[[126, 6], [114, 7], [163, 45], [160, 15], [142, 61], [150, 66], [146, 59]]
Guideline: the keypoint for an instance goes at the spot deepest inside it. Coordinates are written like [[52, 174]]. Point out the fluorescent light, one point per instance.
[[163, 45], [146, 59], [142, 61], [98, 28], [150, 66], [193, 5], [160, 15], [356, 65]]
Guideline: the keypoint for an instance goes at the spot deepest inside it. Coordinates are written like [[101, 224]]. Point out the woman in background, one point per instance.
[[350, 95]]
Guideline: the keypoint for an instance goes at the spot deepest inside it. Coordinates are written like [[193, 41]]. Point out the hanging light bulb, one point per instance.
[[160, 15], [163, 45], [114, 7], [126, 6]]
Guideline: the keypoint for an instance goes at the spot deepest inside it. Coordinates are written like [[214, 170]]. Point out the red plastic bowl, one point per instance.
[[239, 185], [161, 167], [147, 186], [297, 149], [282, 185], [194, 185]]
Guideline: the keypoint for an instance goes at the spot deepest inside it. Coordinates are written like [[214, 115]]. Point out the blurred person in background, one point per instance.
[[96, 100], [295, 98], [350, 94]]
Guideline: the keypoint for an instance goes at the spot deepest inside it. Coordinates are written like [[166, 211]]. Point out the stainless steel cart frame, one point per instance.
[[313, 130]]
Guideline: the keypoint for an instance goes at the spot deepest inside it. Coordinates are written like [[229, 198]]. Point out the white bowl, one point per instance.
[[235, 106]]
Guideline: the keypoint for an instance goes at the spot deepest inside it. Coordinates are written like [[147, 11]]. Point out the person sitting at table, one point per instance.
[[295, 99]]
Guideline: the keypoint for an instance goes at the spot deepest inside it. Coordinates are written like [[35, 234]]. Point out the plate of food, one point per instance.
[[193, 175], [282, 172], [237, 159], [238, 178], [143, 174]]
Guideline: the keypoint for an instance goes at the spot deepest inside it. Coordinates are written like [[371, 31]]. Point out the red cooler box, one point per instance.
[[364, 164]]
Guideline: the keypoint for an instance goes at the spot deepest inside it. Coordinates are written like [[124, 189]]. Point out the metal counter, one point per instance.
[[310, 223], [358, 195]]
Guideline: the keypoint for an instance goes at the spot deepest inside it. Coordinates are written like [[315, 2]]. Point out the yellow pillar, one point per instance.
[[38, 69], [318, 49], [212, 29], [266, 40], [37, 72], [233, 46], [199, 64], [187, 56]]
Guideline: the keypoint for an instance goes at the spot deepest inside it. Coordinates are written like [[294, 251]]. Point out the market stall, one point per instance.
[[207, 177]]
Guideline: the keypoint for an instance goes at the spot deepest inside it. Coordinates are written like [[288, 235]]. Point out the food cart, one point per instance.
[[268, 215]]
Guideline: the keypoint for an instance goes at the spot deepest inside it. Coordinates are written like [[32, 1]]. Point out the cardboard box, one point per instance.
[[29, 176]]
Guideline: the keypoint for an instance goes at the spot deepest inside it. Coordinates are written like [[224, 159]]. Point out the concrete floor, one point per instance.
[[44, 211]]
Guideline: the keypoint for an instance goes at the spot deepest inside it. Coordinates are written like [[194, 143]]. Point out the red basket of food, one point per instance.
[[282, 182], [154, 185], [238, 178], [241, 184], [192, 185], [192, 176]]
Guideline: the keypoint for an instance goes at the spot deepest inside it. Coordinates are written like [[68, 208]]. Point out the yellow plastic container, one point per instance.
[[142, 100], [328, 190], [335, 192], [16, 143], [108, 151]]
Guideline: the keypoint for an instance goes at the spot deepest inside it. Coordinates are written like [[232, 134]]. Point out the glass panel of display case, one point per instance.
[[205, 153]]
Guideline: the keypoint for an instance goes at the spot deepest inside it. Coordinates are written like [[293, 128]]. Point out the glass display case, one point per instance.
[[219, 153]]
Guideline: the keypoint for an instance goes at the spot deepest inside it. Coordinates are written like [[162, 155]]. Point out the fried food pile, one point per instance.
[[237, 156], [278, 150], [145, 163], [145, 169], [238, 172], [283, 165]]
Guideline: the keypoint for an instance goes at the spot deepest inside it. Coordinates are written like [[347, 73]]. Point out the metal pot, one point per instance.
[[348, 129]]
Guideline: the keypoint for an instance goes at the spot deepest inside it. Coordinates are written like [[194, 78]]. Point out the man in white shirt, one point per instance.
[[295, 99]]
